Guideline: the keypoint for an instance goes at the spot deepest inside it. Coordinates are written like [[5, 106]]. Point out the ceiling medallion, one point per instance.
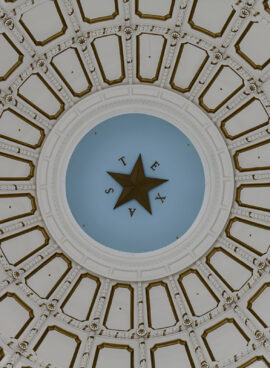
[[140, 223], [85, 116]]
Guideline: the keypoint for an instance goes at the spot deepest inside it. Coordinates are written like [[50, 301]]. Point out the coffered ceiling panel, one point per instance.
[[60, 58]]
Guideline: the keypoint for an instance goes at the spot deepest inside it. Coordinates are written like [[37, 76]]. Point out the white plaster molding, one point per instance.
[[58, 149]]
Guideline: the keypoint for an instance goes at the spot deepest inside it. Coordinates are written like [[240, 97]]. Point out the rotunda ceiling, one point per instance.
[[68, 301]]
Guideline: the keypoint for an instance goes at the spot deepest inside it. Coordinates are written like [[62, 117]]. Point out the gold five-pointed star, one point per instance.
[[136, 185]]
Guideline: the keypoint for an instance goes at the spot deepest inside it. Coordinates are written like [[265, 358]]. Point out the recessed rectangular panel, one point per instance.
[[59, 347], [254, 196], [98, 10], [16, 128], [47, 12], [153, 9], [160, 307], [40, 95], [199, 296], [251, 45], [108, 51], [221, 88], [15, 315], [79, 302], [15, 206], [189, 64], [69, 66], [150, 51], [170, 353], [233, 272], [120, 310], [249, 117], [44, 279], [113, 355], [215, 25], [255, 157], [225, 340], [15, 168], [250, 234], [11, 59], [22, 245]]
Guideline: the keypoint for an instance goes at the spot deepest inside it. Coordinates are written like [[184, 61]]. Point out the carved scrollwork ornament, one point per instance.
[[94, 326], [261, 265], [51, 306], [128, 32], [82, 42], [23, 345], [252, 88], [9, 99], [9, 23], [229, 300], [217, 57], [259, 335], [175, 36], [141, 331], [187, 321], [41, 64], [244, 13], [16, 274]]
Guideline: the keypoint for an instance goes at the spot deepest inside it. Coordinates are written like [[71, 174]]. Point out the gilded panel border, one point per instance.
[[122, 62], [253, 299], [83, 276], [24, 306], [219, 249], [204, 30], [45, 243], [188, 88], [76, 94], [131, 290], [253, 360], [180, 279], [17, 64], [63, 332], [170, 343], [154, 16], [243, 55], [206, 108], [99, 19], [113, 346], [266, 6], [51, 38], [215, 327], [251, 223], [27, 195], [62, 105], [15, 158], [138, 57], [224, 122], [256, 168], [148, 302], [56, 255], [41, 130], [2, 353], [243, 186]]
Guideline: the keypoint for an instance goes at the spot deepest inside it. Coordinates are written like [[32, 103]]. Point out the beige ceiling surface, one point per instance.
[[55, 313]]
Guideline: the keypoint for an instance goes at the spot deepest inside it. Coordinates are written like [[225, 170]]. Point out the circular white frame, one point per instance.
[[83, 117]]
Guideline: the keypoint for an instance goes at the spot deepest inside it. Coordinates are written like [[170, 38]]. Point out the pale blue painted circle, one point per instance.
[[99, 151]]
